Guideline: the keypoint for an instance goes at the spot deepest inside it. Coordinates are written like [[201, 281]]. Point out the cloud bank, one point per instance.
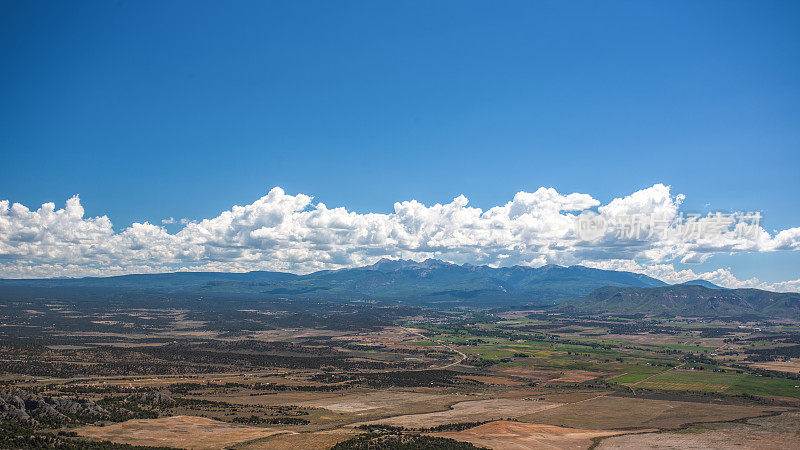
[[643, 232]]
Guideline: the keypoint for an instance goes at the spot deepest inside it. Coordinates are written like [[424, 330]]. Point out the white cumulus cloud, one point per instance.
[[643, 232]]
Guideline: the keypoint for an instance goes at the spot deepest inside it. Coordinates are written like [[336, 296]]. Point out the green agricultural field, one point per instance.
[[729, 382], [754, 385], [631, 377]]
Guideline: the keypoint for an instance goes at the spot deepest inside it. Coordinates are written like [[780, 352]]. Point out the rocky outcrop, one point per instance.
[[156, 398], [26, 408]]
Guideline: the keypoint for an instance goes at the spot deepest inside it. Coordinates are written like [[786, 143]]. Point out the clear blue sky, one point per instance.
[[152, 109]]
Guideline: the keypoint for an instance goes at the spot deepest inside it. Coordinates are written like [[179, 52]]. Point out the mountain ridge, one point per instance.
[[701, 282], [430, 282], [687, 300], [408, 280]]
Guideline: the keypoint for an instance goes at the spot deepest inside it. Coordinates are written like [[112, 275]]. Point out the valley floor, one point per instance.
[[505, 380]]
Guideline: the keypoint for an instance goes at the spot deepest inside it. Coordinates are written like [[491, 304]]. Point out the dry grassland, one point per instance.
[[371, 400], [518, 436], [470, 411], [311, 441], [792, 366], [779, 432], [177, 431], [614, 413]]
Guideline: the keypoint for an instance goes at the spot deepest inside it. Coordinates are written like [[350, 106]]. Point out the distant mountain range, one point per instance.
[[687, 300], [431, 282], [410, 281], [703, 283]]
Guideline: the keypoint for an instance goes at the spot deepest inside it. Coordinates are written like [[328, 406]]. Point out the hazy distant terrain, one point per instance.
[[429, 283], [388, 280], [690, 300]]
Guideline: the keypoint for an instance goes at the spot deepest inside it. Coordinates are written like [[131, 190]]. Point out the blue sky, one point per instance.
[[150, 110]]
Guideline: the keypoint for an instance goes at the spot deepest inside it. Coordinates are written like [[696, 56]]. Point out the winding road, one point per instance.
[[461, 355]]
